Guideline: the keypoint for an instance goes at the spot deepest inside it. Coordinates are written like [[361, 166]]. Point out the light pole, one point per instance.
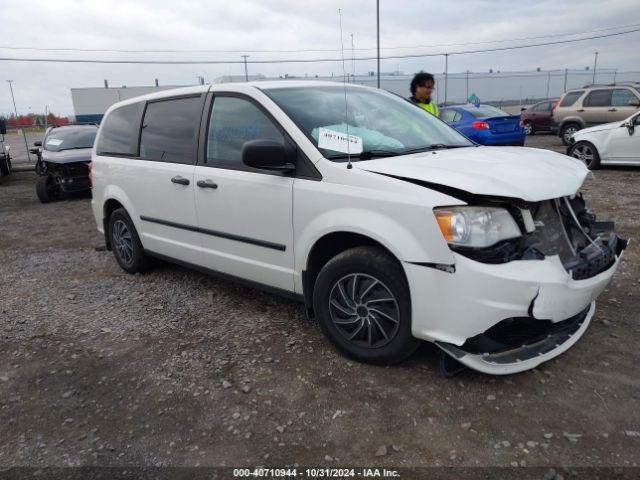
[[246, 72], [24, 135], [378, 36], [548, 81], [595, 64], [467, 85], [566, 70], [446, 76]]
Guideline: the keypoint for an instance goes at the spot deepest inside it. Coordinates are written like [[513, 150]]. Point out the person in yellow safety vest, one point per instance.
[[422, 87]]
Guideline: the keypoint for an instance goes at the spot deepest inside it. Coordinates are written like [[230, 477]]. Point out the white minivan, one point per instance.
[[390, 226]]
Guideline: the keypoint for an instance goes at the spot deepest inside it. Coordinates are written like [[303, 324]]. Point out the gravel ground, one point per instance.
[[173, 368]]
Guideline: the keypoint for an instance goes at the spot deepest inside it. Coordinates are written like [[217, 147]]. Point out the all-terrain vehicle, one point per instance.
[[64, 157], [5, 157]]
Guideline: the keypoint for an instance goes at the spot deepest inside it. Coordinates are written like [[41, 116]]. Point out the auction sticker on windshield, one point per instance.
[[339, 142], [54, 141]]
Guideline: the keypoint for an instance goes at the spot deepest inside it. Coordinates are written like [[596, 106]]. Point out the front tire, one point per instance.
[[362, 303], [47, 189], [587, 153], [125, 243]]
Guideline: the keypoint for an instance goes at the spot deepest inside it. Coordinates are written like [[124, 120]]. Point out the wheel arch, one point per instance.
[[115, 198], [327, 247]]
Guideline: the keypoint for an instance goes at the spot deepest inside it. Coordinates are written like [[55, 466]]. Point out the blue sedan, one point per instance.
[[484, 124]]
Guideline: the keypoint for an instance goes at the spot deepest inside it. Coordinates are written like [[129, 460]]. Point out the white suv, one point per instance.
[[389, 225]]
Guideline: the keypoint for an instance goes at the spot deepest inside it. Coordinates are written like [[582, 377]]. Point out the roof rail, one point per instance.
[[625, 83]]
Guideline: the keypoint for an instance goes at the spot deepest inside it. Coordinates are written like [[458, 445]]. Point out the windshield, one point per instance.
[[385, 124], [69, 138], [484, 111]]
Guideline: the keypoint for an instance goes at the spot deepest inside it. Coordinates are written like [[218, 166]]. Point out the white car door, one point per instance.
[[162, 186], [624, 143], [245, 215]]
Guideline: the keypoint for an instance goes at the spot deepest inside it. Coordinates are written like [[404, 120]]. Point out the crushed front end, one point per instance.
[[515, 304]]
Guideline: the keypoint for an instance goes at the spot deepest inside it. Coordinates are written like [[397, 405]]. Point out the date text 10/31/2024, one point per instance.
[[316, 473]]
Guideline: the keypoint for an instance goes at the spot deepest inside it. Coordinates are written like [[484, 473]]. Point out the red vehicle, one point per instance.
[[537, 118]]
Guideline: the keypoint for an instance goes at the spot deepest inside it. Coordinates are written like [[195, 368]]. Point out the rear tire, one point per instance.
[[362, 303], [529, 128], [47, 189], [587, 153], [125, 243], [567, 131]]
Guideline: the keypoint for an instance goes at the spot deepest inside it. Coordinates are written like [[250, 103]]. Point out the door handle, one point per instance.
[[613, 110], [206, 184], [580, 110], [180, 180]]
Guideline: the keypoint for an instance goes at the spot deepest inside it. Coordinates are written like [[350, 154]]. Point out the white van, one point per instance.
[[390, 226]]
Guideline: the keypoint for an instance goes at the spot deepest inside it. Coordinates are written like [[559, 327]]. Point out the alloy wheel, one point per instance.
[[583, 152], [122, 241], [364, 310], [528, 128]]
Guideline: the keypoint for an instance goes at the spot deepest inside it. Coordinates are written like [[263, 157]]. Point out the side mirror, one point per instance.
[[3, 127], [634, 102], [630, 126], [522, 109], [37, 144], [268, 155]]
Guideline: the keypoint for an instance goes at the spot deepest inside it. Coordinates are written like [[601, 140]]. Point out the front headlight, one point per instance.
[[476, 226]]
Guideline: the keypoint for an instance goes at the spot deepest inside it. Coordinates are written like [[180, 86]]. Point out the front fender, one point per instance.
[[423, 245]]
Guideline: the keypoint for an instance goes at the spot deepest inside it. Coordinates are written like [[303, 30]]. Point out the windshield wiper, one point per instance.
[[369, 154], [72, 148]]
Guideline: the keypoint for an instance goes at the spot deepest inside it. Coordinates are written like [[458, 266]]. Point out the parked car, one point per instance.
[[389, 225], [616, 143], [63, 161], [5, 151], [593, 105], [537, 118], [485, 124]]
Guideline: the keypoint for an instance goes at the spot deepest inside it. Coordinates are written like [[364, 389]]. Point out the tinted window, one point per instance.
[[170, 130], [598, 98], [621, 96], [69, 138], [486, 111], [119, 133], [543, 107], [637, 120], [570, 98], [447, 115], [235, 121]]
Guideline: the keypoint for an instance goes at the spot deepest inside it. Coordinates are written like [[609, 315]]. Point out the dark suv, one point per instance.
[[64, 157], [537, 118]]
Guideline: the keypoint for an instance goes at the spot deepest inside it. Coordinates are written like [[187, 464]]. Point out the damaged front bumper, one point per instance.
[[503, 318]]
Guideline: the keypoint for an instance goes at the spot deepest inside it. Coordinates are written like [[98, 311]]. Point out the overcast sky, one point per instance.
[[252, 25]]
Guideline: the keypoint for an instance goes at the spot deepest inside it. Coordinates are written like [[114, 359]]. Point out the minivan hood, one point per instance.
[[527, 173]]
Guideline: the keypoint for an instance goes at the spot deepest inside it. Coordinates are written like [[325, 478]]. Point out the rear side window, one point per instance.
[[119, 133], [170, 130], [621, 97], [598, 98], [447, 115], [570, 98]]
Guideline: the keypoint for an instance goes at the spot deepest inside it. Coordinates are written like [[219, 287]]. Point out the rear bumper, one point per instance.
[[499, 139]]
